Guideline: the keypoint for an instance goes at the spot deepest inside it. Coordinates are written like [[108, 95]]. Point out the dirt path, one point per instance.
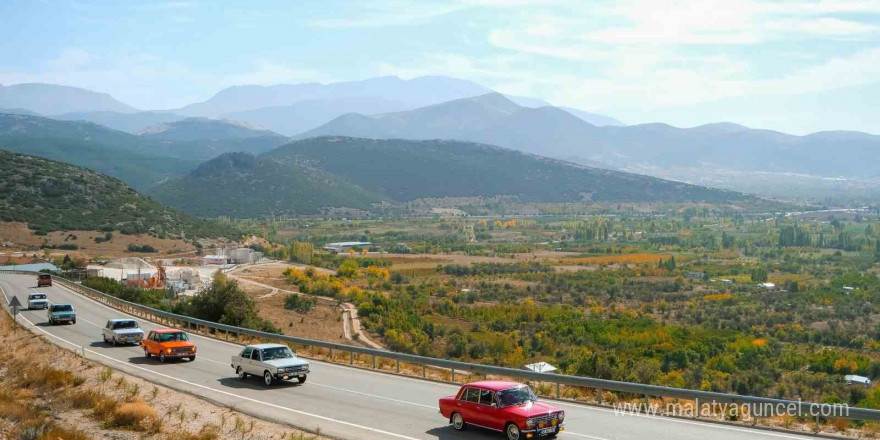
[[351, 325]]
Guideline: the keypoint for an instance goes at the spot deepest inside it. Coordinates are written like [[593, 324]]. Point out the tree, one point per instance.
[[348, 269], [759, 275]]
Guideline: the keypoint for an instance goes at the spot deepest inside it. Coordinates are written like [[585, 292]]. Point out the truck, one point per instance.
[[61, 313], [272, 362], [122, 331]]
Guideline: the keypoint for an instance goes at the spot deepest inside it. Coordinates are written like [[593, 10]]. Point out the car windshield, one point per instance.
[[62, 308], [38, 296], [277, 353], [124, 324], [516, 396], [169, 337]]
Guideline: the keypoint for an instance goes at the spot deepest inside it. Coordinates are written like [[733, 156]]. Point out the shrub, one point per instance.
[[135, 415], [300, 303], [142, 248]]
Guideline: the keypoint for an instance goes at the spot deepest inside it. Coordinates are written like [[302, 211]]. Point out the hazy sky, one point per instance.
[[637, 61]]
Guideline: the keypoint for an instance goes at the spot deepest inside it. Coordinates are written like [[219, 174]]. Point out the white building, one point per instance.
[[215, 259], [344, 246], [768, 286]]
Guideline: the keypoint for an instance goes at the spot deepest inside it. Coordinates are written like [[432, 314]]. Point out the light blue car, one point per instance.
[[59, 313]]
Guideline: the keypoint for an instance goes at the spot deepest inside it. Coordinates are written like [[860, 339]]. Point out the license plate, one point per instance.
[[546, 431]]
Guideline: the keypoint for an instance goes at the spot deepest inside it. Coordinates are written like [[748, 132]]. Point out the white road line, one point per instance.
[[432, 408], [583, 435], [295, 411]]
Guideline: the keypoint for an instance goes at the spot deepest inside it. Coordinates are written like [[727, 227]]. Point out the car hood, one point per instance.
[[129, 331], [290, 362], [532, 409]]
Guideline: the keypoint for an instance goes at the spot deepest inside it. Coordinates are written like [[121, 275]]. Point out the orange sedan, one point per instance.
[[169, 344]]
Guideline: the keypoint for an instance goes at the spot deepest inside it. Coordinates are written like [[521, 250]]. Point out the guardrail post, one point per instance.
[[424, 372], [599, 396], [351, 357], [397, 361], [453, 375], [312, 350], [558, 395], [374, 361], [331, 354]]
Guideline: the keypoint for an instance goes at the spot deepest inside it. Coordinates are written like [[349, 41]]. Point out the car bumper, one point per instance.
[[38, 305], [540, 432], [128, 340], [62, 318], [182, 354], [291, 375]]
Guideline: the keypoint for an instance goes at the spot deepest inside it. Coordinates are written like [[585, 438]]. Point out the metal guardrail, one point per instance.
[[219, 331]]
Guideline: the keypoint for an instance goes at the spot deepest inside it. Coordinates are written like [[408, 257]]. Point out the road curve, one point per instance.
[[342, 402]]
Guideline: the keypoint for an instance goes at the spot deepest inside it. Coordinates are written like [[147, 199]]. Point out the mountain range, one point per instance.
[[553, 132], [307, 176], [288, 109], [143, 161]]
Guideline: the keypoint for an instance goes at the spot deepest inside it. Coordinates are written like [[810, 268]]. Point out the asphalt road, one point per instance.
[[343, 402]]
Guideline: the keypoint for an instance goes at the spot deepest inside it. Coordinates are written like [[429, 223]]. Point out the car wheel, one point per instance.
[[115, 342], [73, 321], [105, 338], [458, 422], [512, 431], [268, 379], [161, 356], [192, 358], [147, 353], [241, 374], [301, 379]]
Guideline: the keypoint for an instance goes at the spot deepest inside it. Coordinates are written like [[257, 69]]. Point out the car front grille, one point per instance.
[[182, 350]]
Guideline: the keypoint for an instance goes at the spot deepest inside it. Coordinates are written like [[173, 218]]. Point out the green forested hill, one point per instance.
[[49, 195], [405, 170], [242, 185], [305, 176], [141, 171]]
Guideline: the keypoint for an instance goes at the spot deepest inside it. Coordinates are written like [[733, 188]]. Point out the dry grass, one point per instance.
[[52, 394]]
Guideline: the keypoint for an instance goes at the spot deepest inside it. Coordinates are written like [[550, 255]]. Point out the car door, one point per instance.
[[244, 358], [488, 412], [149, 343], [255, 364], [467, 404]]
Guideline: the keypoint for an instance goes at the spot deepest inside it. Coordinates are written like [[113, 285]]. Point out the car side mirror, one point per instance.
[[494, 405]]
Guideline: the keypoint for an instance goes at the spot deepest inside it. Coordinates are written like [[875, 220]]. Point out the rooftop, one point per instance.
[[495, 385], [168, 330], [265, 346]]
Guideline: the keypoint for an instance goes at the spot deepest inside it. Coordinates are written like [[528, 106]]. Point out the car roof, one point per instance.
[[494, 385], [121, 319], [265, 346], [167, 330], [62, 304], [36, 293]]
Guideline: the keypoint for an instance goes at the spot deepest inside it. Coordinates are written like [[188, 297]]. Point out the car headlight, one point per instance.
[[195, 349], [530, 423], [561, 416], [168, 350]]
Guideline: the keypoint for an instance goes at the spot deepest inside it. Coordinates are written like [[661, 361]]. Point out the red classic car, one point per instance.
[[507, 407]]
